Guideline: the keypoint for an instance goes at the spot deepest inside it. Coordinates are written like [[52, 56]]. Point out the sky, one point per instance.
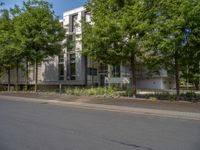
[[59, 6]]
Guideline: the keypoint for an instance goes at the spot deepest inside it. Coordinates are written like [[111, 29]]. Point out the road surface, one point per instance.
[[41, 126]]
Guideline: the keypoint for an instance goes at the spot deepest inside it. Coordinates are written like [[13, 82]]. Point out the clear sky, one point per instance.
[[59, 6]]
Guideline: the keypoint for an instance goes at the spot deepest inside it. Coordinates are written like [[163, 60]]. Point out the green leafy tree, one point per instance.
[[18, 51], [7, 43], [117, 32], [39, 32], [191, 57], [173, 19]]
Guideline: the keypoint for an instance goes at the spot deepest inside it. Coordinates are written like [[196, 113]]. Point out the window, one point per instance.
[[92, 71], [61, 66], [125, 71], [61, 58], [73, 71], [70, 43], [61, 72], [71, 67], [116, 72], [74, 22], [72, 58], [103, 68], [69, 37]]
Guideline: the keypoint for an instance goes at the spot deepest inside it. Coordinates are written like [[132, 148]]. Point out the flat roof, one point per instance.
[[75, 10]]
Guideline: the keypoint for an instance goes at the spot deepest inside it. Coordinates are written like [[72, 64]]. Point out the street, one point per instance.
[[41, 126]]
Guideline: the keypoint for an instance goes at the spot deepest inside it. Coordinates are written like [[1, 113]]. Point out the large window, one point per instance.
[[92, 71], [103, 68], [70, 43], [61, 58], [116, 72], [125, 71], [61, 72], [61, 66], [71, 67], [74, 22]]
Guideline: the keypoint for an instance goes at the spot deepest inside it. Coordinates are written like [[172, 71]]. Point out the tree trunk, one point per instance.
[[196, 83], [8, 79], [177, 68], [133, 61], [17, 76], [26, 76], [36, 75], [92, 75]]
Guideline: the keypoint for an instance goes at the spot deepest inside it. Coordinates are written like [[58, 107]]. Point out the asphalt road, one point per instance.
[[40, 126]]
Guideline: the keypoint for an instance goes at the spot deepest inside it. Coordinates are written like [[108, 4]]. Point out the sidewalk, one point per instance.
[[183, 110]]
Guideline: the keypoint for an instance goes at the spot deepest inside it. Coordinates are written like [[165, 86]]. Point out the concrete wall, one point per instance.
[[4, 78], [49, 70]]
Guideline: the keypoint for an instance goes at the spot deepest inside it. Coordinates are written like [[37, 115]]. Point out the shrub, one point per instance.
[[159, 96], [112, 91], [2, 88], [90, 91], [189, 96], [192, 96]]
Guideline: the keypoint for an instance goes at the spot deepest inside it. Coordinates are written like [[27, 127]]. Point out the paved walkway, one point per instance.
[[184, 110], [130, 102]]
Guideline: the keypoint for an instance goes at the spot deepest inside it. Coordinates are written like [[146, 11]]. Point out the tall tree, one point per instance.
[[39, 31], [18, 52], [7, 43], [194, 39], [191, 56], [116, 33], [172, 24]]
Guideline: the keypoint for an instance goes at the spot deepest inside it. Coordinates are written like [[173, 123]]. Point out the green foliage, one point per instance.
[[173, 17], [8, 48], [91, 91], [117, 32], [32, 32], [158, 96], [173, 47], [39, 31], [189, 96], [192, 96]]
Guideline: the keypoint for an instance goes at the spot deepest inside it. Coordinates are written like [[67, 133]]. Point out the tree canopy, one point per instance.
[[143, 31], [116, 33], [32, 32]]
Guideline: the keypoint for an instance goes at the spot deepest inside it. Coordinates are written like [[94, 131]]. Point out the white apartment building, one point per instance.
[[73, 68]]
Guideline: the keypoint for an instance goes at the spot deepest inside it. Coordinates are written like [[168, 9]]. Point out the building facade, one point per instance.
[[72, 68]]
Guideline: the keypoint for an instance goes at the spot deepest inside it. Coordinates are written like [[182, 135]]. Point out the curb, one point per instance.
[[112, 108]]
